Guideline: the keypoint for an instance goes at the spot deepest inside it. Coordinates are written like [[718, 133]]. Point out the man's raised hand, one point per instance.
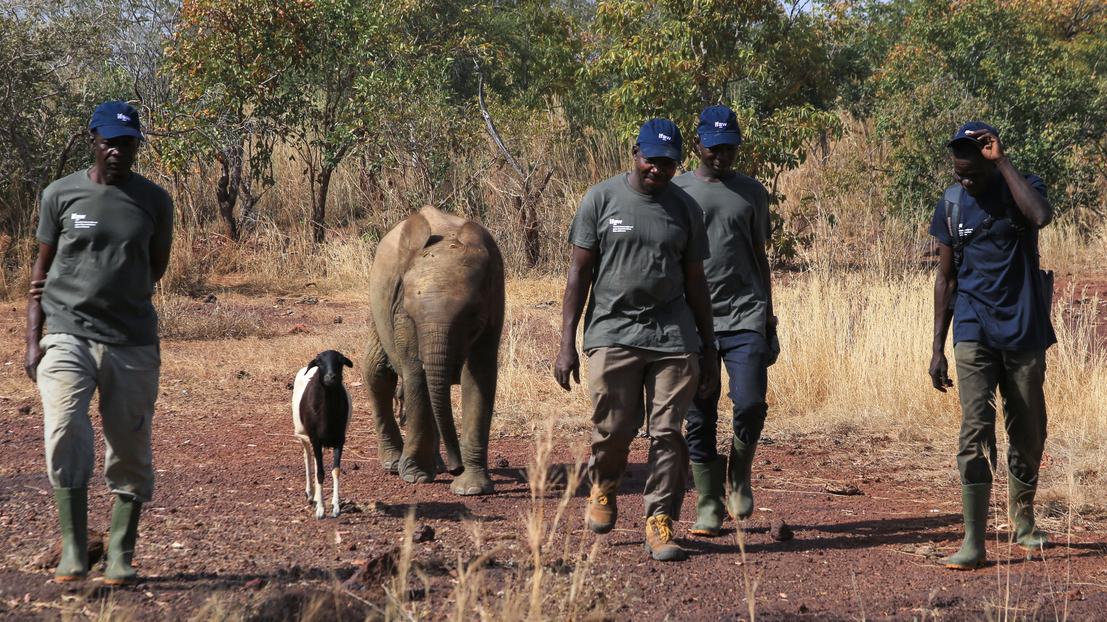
[[992, 149]]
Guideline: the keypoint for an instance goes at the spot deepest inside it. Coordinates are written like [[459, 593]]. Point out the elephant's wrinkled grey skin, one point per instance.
[[437, 296]]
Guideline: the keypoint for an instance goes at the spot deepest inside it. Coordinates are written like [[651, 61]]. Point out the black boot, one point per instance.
[[121, 542], [73, 518]]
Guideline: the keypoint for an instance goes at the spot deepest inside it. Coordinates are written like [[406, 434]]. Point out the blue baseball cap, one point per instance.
[[660, 138], [719, 126], [971, 126], [114, 119]]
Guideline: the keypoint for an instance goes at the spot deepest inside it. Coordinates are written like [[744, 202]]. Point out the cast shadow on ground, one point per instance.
[[868, 534]]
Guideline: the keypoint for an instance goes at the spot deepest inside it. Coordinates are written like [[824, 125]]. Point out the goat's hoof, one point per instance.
[[334, 512], [319, 514], [472, 482]]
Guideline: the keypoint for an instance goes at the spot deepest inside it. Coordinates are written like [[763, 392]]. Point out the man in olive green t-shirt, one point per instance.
[[736, 213], [104, 239], [638, 247]]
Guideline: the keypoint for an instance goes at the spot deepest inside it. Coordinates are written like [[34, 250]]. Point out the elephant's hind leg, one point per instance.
[[380, 380]]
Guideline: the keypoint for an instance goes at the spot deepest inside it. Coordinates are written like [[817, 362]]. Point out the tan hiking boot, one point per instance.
[[659, 539], [602, 511]]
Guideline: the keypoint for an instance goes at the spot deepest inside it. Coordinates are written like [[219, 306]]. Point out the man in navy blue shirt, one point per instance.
[[987, 229]]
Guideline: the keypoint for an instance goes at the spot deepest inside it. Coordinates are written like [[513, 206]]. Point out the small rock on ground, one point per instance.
[[780, 531], [423, 533]]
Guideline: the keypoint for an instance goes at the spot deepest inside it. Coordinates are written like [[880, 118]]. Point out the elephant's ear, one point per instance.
[[415, 235], [471, 234]]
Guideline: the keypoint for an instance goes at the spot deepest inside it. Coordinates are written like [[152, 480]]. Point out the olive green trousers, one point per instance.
[[1020, 377]]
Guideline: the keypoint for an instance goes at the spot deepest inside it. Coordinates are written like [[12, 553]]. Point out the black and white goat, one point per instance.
[[321, 411]]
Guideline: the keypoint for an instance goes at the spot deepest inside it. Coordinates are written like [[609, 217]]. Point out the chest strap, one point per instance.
[[952, 199]]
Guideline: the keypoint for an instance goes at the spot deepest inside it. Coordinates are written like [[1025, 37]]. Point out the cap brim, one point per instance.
[[966, 139], [722, 138], [115, 131], [650, 150]]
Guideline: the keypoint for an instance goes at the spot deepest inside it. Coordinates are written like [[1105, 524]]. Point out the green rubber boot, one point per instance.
[[73, 518], [1020, 510], [739, 502], [710, 478], [121, 542], [974, 505]]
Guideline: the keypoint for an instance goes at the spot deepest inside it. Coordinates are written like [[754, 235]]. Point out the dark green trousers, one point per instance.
[[1020, 377]]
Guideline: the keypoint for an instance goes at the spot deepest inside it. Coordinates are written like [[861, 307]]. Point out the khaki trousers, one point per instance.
[[1020, 377], [632, 386], [72, 368]]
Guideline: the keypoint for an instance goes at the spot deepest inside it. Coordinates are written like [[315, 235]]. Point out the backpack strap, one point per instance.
[[953, 198]]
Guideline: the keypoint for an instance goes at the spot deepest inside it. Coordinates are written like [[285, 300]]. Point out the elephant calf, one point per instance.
[[437, 296]]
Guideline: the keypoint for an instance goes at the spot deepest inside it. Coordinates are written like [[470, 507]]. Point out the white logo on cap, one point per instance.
[[664, 137], [122, 117], [720, 124]]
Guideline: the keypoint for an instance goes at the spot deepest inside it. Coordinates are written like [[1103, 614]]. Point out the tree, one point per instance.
[[988, 60], [227, 59], [53, 72], [673, 58]]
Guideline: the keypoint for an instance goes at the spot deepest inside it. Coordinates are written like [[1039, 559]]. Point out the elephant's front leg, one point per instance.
[[478, 393], [417, 464], [380, 380]]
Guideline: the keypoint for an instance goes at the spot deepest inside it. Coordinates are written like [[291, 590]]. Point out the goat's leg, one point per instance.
[[319, 475], [334, 476], [308, 488]]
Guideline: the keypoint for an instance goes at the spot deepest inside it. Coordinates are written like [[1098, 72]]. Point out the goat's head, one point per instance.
[[330, 367]]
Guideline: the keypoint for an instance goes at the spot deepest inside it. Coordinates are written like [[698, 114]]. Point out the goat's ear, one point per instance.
[[347, 362], [314, 363]]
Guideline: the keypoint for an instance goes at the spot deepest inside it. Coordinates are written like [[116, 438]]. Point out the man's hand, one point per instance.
[[567, 364], [31, 360], [939, 372], [992, 149], [709, 373], [36, 289]]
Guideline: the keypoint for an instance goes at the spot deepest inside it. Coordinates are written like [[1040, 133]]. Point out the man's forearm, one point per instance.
[[35, 321], [943, 316], [572, 305]]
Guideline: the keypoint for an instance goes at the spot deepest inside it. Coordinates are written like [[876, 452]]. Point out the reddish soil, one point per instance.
[[229, 529]]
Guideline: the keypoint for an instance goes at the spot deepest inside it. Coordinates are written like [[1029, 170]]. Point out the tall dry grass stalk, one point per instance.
[[547, 588]]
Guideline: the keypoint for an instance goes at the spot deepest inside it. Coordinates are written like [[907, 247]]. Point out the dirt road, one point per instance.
[[229, 535]]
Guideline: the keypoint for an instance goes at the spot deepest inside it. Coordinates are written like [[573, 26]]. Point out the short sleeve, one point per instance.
[[163, 230], [582, 232], [49, 229], [1038, 184], [698, 246], [938, 226]]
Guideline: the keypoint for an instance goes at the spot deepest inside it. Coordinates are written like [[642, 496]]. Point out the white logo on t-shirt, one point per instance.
[[79, 222], [617, 226]]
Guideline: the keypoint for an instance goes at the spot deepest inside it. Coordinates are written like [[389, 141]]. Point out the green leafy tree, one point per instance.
[[54, 69], [227, 59], [672, 58], [993, 61]]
